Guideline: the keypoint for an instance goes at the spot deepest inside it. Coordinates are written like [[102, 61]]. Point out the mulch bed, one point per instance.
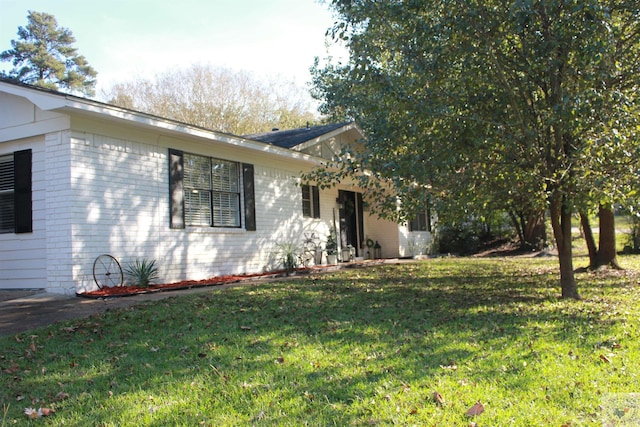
[[124, 291]]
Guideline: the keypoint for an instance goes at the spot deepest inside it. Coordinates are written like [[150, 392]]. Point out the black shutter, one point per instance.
[[176, 189], [22, 191], [316, 201], [249, 197]]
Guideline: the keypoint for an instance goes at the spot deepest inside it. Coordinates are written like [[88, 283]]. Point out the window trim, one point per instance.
[[177, 193], [417, 225], [216, 193], [313, 200]]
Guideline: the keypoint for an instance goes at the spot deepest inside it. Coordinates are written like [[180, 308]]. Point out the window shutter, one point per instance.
[[176, 189], [22, 191], [316, 201], [249, 197]]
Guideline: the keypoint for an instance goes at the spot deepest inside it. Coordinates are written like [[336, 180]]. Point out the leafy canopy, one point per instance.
[[44, 56], [488, 103], [216, 98], [500, 100]]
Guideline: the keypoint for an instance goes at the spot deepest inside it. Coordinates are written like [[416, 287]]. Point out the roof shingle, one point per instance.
[[293, 137]]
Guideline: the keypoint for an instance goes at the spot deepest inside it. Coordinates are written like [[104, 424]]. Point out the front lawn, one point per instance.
[[366, 346]]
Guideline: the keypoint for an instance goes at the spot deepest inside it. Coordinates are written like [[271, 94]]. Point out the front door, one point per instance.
[[351, 219]]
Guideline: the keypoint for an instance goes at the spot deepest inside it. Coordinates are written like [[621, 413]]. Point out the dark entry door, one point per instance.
[[351, 219]]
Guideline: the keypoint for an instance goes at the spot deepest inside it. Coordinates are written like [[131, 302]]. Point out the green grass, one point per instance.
[[360, 347]]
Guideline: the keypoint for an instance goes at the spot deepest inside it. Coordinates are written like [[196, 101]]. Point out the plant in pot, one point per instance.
[[332, 248]]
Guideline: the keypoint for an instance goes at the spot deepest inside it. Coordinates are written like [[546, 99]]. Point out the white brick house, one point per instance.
[[79, 178]]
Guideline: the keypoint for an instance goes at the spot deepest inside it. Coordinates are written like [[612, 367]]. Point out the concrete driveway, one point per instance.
[[22, 310]]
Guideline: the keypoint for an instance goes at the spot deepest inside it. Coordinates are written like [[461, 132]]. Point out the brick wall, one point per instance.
[[23, 262]]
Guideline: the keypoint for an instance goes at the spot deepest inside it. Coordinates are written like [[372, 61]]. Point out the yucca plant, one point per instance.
[[142, 272], [288, 254]]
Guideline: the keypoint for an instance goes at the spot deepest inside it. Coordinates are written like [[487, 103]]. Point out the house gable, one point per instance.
[[324, 141]]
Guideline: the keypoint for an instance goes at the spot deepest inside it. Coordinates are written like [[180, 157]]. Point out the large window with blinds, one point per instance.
[[212, 190]]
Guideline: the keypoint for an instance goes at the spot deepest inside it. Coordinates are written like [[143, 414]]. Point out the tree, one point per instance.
[[44, 56], [216, 98], [492, 100]]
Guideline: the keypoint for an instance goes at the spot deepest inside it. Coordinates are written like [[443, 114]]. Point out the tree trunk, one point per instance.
[[516, 225], [607, 242], [588, 237], [561, 223], [535, 234]]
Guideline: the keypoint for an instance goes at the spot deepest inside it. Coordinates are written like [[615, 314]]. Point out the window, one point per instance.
[[15, 193], [421, 222], [212, 192], [206, 191], [310, 201]]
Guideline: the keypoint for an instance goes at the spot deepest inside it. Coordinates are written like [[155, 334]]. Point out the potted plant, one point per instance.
[[332, 248]]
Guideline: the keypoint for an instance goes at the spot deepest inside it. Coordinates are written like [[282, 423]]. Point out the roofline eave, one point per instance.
[[70, 104]]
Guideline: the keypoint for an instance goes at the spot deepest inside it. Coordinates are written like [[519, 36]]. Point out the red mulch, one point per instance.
[[123, 291]]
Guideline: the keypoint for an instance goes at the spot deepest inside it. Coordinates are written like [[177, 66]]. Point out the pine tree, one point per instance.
[[44, 56]]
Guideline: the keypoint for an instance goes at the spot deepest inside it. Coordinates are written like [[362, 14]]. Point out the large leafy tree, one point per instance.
[[44, 56], [516, 102], [216, 98]]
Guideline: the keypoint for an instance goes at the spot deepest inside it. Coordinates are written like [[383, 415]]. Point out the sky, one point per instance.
[[124, 39]]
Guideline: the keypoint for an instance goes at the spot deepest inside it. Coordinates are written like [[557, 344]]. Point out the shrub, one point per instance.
[[633, 237], [288, 254], [142, 272], [332, 244], [467, 237]]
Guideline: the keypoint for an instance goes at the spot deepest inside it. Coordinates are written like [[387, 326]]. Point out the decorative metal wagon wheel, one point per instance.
[[107, 272]]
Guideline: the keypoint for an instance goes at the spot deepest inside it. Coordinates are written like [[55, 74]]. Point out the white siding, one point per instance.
[[120, 206], [386, 233], [23, 261], [413, 243]]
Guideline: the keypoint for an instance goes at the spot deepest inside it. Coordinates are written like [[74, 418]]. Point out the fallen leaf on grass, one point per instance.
[[605, 358], [31, 413], [245, 328], [475, 410], [62, 395], [34, 414], [45, 412], [437, 397]]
